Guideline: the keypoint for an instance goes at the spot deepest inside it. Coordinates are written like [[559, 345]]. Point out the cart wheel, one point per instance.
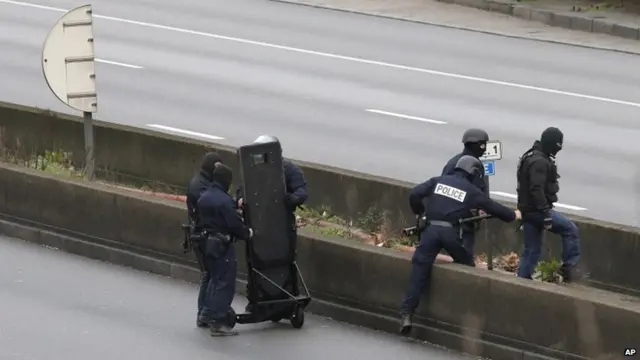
[[232, 318], [297, 318]]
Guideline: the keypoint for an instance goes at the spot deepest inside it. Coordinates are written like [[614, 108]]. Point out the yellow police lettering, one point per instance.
[[450, 192]]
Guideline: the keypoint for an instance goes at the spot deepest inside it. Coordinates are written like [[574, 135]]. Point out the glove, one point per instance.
[[547, 222], [185, 246], [291, 199]]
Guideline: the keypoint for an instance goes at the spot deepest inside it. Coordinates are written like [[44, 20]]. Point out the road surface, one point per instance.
[[57, 306], [374, 95]]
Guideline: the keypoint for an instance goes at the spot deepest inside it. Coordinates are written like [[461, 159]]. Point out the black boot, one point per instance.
[[202, 321], [571, 275], [222, 330], [406, 326]]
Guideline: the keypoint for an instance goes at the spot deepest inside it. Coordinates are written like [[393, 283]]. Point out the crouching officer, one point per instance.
[[222, 225], [537, 191], [198, 184], [450, 197], [475, 144]]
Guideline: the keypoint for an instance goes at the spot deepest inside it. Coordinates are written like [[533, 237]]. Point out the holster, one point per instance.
[[421, 223], [194, 240], [217, 245]]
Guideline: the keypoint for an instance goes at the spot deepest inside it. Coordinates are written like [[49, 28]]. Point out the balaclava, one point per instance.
[[209, 162], [551, 140], [476, 148], [223, 175]]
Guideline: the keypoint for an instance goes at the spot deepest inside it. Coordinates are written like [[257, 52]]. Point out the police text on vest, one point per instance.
[[450, 192]]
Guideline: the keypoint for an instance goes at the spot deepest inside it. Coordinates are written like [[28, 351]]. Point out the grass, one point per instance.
[[368, 227]]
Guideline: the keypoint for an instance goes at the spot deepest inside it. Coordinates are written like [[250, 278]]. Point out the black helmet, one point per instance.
[[470, 165], [475, 136]]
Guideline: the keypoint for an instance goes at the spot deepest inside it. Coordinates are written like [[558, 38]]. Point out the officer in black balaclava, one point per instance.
[[537, 192], [223, 225], [200, 181], [475, 144]]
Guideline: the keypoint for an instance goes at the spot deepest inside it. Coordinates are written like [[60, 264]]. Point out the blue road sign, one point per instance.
[[489, 168]]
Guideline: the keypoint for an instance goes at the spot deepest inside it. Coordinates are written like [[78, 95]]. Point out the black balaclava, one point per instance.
[[223, 175], [551, 140], [209, 162], [476, 148]]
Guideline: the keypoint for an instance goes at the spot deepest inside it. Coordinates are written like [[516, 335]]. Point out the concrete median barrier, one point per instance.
[[484, 313], [139, 155]]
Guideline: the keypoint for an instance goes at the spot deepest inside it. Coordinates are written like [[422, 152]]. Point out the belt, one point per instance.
[[440, 223]]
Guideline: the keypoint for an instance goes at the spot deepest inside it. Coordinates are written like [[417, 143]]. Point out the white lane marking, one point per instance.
[[185, 132], [406, 116], [341, 57], [118, 64], [513, 196]]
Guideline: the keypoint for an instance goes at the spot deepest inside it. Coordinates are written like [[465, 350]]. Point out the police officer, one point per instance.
[[475, 144], [223, 225], [200, 181], [450, 197], [537, 191], [296, 192]]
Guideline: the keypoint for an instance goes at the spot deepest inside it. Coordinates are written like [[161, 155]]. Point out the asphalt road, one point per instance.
[[58, 306], [325, 82]]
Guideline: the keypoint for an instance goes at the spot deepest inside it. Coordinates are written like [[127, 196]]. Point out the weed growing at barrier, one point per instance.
[[60, 163], [548, 271], [55, 162], [370, 228]]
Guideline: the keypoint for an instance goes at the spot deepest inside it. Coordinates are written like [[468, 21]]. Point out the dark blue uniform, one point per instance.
[[450, 199], [218, 216], [198, 184], [468, 230], [296, 189]]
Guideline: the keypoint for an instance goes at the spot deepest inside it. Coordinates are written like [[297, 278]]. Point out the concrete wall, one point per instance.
[[480, 312], [125, 152]]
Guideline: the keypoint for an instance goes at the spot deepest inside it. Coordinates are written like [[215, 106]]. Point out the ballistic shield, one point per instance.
[[273, 274]]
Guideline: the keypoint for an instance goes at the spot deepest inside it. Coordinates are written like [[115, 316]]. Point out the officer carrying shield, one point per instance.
[[295, 194], [198, 184], [222, 226], [537, 191], [475, 144], [450, 197]]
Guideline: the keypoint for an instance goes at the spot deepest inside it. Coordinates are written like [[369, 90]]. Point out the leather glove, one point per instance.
[[547, 222], [291, 199]]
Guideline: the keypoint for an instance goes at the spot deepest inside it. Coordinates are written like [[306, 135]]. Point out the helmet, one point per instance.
[[474, 136], [470, 165], [265, 139]]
